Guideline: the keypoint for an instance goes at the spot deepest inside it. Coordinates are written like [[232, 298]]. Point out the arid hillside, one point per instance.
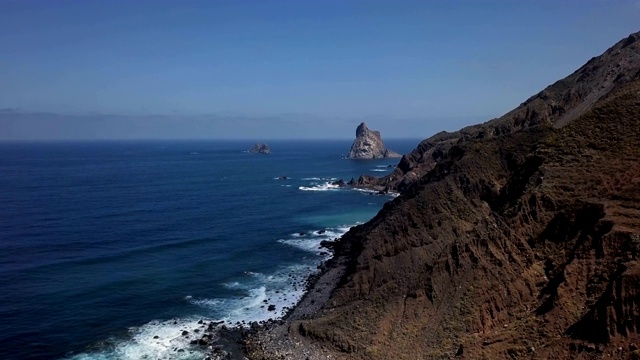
[[556, 106], [518, 238]]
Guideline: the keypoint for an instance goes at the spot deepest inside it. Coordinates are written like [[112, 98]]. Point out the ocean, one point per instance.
[[109, 250]]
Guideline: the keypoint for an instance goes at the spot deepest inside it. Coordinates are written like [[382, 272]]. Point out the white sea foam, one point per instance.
[[281, 290], [154, 340], [327, 186], [311, 241], [379, 170], [164, 340], [366, 190], [319, 179]]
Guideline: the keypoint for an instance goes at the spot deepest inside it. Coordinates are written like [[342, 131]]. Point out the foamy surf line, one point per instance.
[[319, 179], [311, 241], [170, 339], [327, 186], [267, 297]]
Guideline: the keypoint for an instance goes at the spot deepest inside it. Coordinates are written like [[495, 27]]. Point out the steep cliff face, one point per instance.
[[555, 106], [368, 145], [518, 238]]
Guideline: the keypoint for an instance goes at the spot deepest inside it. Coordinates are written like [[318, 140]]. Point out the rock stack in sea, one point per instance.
[[368, 145], [260, 148]]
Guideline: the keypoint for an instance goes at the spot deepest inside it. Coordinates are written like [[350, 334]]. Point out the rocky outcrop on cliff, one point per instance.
[[260, 148], [518, 238], [368, 145], [556, 105]]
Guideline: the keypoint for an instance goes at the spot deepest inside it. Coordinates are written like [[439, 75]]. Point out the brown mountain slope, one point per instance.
[[556, 105], [523, 245], [517, 238]]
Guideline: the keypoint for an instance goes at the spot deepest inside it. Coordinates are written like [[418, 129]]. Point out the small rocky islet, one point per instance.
[[368, 144], [260, 148]]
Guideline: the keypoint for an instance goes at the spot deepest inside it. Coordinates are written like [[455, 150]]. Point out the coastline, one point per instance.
[[280, 339]]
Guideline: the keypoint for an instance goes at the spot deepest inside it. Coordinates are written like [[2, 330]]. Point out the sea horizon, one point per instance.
[[115, 248]]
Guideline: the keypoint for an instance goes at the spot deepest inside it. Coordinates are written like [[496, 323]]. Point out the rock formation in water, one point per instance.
[[368, 145], [260, 148], [517, 238]]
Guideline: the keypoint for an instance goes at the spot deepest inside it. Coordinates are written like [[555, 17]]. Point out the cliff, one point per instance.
[[517, 238], [369, 145], [555, 106]]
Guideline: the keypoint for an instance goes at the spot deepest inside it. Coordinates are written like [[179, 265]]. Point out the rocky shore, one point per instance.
[[282, 339], [277, 338]]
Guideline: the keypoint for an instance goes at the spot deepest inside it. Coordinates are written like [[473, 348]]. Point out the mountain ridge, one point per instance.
[[516, 238], [557, 104]]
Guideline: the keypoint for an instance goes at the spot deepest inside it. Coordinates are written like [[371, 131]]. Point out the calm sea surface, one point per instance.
[[108, 250]]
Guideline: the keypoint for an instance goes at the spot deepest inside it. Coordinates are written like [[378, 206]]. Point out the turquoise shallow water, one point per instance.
[[106, 245]]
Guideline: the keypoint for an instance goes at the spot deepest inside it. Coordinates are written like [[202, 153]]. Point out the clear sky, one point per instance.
[[289, 68]]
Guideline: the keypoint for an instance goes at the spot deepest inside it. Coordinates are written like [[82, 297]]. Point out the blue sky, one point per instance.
[[409, 68]]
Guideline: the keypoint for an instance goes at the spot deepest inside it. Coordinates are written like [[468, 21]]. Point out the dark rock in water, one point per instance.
[[320, 232], [185, 333], [339, 183], [301, 234], [368, 145], [156, 337], [283, 178], [328, 244], [205, 340], [271, 308], [260, 148]]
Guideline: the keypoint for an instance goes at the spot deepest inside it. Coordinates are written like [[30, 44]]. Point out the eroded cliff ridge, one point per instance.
[[556, 106], [517, 238], [369, 145]]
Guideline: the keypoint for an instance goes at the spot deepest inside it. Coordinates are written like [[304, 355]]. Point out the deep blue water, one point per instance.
[[105, 245]]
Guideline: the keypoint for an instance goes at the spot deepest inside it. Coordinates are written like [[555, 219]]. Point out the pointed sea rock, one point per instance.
[[368, 145]]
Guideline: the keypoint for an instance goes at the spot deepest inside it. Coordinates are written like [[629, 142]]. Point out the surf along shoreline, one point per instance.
[[280, 338], [273, 338]]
